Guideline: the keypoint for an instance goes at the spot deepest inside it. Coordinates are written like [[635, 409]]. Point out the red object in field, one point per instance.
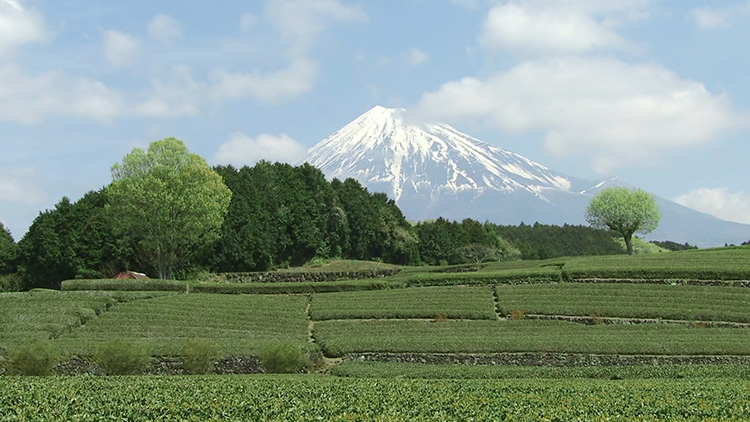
[[130, 275]]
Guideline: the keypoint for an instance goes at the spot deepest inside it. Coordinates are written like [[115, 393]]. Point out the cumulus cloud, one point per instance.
[[177, 95], [18, 25], [17, 185], [243, 150], [273, 87], [713, 18], [28, 98], [555, 27], [164, 28], [720, 202], [619, 113], [119, 48], [300, 21]]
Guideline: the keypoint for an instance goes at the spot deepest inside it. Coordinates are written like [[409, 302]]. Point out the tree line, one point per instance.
[[263, 217]]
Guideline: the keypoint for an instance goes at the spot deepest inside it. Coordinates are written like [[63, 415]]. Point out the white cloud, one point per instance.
[[300, 21], [244, 150], [619, 113], [416, 57], [714, 18], [164, 28], [119, 48], [545, 26], [273, 87], [28, 98], [92, 99], [248, 21], [179, 95], [18, 25], [720, 202], [17, 185]]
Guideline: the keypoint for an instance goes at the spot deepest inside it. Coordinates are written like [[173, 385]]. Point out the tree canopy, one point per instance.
[[8, 251], [625, 211], [168, 202]]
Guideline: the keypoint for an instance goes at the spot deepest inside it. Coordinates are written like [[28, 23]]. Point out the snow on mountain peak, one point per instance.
[[387, 150]]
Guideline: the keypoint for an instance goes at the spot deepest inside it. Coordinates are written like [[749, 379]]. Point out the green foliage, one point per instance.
[[509, 276], [70, 241], [624, 211], [304, 398], [168, 202], [420, 302], [11, 283], [337, 338], [47, 314], [8, 252], [125, 285], [237, 324], [543, 241], [283, 216], [121, 357], [641, 246], [696, 372], [701, 303], [295, 287], [315, 262], [284, 358], [37, 358], [199, 356], [709, 264], [673, 246]]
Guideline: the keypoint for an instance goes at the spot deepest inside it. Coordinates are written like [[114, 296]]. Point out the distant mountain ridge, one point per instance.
[[432, 170]]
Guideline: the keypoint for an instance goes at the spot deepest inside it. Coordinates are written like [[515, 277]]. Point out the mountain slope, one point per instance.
[[432, 169]]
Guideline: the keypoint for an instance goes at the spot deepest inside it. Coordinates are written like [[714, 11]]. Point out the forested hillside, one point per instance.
[[279, 216]]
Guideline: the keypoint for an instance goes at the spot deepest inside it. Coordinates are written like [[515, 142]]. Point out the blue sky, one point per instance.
[[654, 92]]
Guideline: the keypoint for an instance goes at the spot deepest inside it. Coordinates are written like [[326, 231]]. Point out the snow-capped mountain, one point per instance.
[[432, 170], [382, 148]]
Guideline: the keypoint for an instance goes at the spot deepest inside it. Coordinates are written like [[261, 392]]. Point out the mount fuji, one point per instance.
[[432, 170]]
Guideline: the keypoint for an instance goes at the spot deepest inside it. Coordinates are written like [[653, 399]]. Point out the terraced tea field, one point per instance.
[[304, 398], [678, 302], [685, 358], [239, 324], [426, 302], [338, 338]]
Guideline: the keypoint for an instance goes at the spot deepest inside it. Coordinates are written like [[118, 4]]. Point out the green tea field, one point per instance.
[[606, 338]]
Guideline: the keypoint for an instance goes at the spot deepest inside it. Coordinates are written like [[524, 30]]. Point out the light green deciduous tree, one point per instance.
[[625, 211], [169, 202]]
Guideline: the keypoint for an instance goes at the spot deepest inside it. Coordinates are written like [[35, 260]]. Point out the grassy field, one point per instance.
[[337, 338], [47, 314], [398, 315], [461, 371], [302, 398], [711, 264], [239, 324], [422, 302], [691, 303]]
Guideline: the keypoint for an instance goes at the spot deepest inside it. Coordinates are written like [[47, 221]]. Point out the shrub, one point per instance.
[[36, 358], [125, 285], [11, 283], [315, 262], [284, 358], [120, 357], [199, 356]]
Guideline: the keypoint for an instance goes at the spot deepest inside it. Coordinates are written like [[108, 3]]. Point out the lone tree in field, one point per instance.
[[168, 202], [624, 211]]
